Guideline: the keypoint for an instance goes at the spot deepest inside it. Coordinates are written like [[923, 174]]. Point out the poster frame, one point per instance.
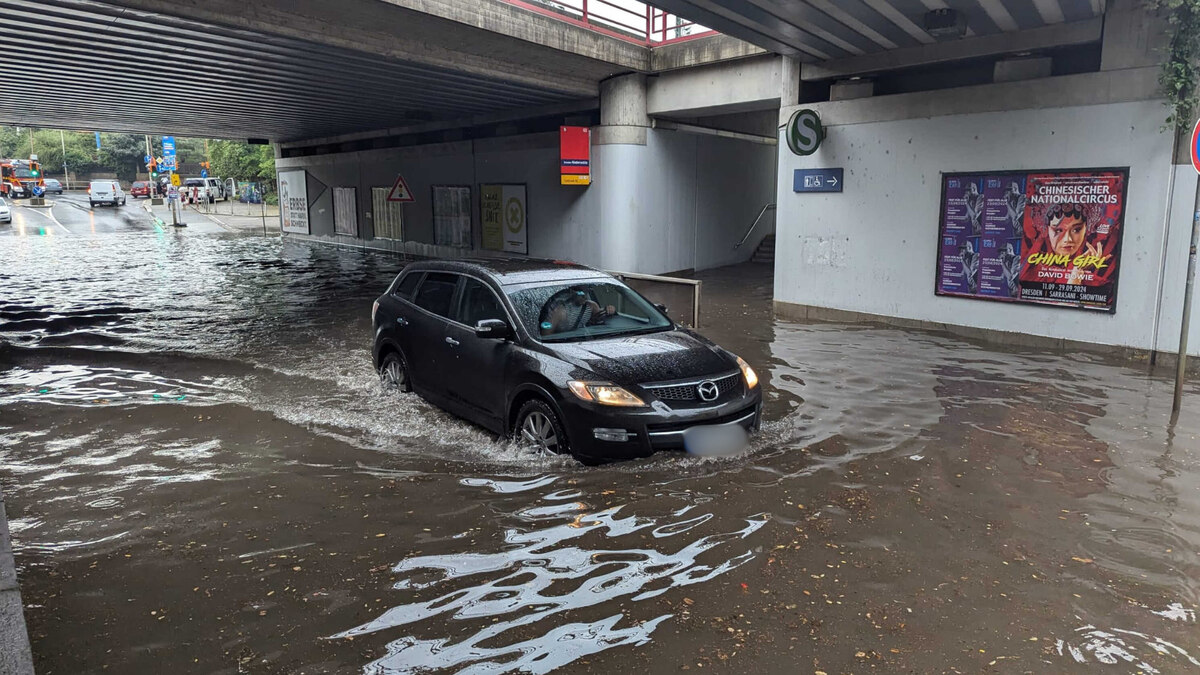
[[470, 211], [941, 224], [525, 188], [308, 202]]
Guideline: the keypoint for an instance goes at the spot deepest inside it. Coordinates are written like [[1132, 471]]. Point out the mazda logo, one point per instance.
[[708, 390]]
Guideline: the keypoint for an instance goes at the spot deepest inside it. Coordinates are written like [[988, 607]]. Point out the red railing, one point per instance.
[[624, 19]]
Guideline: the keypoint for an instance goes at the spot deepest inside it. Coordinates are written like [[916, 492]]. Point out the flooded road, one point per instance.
[[204, 476]]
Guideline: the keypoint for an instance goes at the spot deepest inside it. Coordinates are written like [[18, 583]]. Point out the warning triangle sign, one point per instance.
[[400, 191]]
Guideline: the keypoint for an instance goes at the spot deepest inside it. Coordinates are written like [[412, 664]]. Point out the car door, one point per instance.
[[474, 366], [433, 304]]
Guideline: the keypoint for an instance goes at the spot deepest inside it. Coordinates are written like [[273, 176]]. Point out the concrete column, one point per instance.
[[1133, 36], [789, 81], [623, 118]]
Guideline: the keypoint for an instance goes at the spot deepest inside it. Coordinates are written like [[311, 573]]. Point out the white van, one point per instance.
[[106, 191], [203, 189]]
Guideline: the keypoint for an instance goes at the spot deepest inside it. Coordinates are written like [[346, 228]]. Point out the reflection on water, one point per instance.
[[511, 601], [192, 439]]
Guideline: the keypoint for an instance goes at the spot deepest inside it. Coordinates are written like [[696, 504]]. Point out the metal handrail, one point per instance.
[[753, 225]]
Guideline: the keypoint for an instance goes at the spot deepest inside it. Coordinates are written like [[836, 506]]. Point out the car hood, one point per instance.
[[670, 355]]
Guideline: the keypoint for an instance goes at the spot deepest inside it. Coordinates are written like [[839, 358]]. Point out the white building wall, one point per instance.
[[873, 248], [681, 201]]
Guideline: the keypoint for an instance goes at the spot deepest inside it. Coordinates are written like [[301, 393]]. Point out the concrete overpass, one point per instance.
[[294, 70]]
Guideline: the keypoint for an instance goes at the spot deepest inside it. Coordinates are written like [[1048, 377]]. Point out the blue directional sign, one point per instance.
[[817, 180], [204, 173], [145, 159]]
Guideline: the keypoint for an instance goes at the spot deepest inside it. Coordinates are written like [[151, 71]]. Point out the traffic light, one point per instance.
[[34, 173], [153, 173]]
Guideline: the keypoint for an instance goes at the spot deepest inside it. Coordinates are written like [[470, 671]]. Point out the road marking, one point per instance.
[[48, 213]]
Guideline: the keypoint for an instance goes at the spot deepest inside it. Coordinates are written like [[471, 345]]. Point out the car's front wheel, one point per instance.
[[539, 428], [393, 373]]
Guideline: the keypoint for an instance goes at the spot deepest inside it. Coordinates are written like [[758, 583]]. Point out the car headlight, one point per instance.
[[748, 373], [604, 393]]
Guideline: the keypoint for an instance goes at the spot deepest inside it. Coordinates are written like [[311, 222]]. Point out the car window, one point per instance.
[[407, 285], [477, 303], [436, 292], [584, 310], [193, 182]]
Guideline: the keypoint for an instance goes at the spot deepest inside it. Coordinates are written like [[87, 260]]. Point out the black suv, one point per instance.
[[564, 357]]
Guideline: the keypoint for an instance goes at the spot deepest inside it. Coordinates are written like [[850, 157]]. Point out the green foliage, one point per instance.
[[122, 154], [233, 159], [1179, 71]]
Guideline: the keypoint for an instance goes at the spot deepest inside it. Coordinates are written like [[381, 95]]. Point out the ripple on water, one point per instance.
[[510, 603]]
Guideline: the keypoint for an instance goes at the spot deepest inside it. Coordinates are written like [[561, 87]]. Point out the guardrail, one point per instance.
[[655, 288], [627, 20]]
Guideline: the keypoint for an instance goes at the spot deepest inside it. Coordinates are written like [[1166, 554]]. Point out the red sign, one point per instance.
[[1196, 147], [575, 151], [400, 191]]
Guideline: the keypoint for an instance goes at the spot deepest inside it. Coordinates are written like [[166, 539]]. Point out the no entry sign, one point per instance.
[[1196, 147]]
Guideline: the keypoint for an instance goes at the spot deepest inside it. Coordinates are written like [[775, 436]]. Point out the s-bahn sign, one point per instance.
[[804, 132]]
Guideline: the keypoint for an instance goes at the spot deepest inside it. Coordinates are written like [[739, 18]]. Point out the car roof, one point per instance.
[[508, 271]]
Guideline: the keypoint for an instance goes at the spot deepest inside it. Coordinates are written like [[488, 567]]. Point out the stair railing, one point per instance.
[[753, 225]]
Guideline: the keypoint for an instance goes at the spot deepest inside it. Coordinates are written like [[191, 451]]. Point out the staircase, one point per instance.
[[765, 253]]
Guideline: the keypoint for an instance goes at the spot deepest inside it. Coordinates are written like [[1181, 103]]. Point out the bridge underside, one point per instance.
[[152, 66]]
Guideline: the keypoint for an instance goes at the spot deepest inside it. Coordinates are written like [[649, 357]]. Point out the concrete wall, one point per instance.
[[872, 249], [680, 201]]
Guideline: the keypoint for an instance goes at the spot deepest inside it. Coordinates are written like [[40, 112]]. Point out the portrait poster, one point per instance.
[[293, 201], [1043, 237]]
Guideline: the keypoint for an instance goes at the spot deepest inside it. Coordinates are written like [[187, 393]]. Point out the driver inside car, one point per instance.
[[571, 309]]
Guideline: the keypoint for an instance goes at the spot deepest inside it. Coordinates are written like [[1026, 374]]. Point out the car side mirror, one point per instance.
[[496, 329], [661, 307]]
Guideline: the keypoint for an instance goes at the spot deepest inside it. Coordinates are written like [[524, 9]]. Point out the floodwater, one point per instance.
[[204, 476]]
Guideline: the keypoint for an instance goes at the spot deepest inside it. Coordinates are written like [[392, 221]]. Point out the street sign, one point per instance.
[[204, 173], [804, 132], [817, 180], [175, 180], [145, 159], [400, 191], [1196, 147]]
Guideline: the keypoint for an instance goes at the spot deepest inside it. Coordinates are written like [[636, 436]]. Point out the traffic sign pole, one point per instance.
[[1181, 363]]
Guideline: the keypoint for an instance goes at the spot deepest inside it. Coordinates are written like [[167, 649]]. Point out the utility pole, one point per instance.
[[31, 150], [62, 138], [1181, 366]]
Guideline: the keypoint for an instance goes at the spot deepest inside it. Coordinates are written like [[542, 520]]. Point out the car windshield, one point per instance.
[[193, 182], [585, 311]]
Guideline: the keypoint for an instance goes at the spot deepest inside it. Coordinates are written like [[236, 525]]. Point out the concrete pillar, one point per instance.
[[789, 81], [623, 118], [1133, 36]]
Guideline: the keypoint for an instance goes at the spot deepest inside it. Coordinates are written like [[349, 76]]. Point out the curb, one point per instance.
[[16, 657], [212, 218], [157, 221]]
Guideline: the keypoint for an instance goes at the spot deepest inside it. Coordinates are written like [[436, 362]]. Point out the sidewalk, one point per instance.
[[16, 658], [201, 223], [242, 217]]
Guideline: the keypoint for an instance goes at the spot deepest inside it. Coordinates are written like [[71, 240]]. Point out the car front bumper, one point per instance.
[[649, 429]]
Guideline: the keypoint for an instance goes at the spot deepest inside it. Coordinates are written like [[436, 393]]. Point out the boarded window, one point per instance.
[[345, 211], [388, 216], [452, 216]]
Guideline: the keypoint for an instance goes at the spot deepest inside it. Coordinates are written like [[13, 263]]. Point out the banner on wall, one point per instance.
[[1045, 237], [574, 154], [293, 201], [503, 218]]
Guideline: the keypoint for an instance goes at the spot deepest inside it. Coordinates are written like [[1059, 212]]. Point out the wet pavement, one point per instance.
[[203, 475]]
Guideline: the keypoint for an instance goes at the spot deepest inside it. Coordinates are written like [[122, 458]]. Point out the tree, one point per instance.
[[241, 161]]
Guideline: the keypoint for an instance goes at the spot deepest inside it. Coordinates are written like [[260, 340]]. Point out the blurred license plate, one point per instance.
[[715, 441]]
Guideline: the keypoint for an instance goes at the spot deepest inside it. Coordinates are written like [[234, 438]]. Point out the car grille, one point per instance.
[[688, 391]]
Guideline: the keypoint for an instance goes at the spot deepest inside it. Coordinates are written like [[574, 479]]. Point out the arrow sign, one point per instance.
[[400, 191], [817, 180]]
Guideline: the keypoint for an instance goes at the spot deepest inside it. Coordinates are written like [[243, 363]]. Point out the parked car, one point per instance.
[[140, 188], [562, 357], [105, 191], [204, 189], [5, 211], [52, 185]]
